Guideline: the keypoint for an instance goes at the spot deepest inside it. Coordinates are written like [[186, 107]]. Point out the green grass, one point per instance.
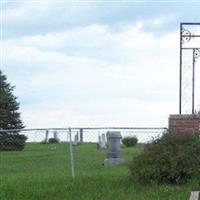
[[42, 171]]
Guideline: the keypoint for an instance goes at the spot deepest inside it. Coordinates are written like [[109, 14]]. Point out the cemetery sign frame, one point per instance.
[[186, 36]]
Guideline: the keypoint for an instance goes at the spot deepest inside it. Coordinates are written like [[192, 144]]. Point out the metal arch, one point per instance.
[[185, 37], [196, 53]]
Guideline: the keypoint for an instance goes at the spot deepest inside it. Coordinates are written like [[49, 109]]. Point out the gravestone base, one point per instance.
[[113, 161]]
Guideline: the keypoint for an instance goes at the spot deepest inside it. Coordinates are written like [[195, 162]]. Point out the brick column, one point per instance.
[[184, 123]]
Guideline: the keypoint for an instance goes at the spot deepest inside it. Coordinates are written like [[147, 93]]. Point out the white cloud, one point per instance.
[[103, 77], [157, 22], [81, 37], [37, 11], [109, 112]]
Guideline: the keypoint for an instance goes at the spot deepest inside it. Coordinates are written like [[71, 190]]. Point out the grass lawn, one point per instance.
[[42, 171]]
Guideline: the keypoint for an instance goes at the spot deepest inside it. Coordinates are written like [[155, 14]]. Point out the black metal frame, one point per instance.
[[185, 37]]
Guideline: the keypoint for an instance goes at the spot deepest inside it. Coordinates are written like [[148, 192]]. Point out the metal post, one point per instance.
[[180, 81], [71, 153], [185, 37], [193, 79]]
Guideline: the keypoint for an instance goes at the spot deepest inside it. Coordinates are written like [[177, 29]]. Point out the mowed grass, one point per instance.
[[42, 171]]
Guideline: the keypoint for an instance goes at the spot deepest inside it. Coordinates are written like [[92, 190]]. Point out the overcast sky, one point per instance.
[[94, 63]]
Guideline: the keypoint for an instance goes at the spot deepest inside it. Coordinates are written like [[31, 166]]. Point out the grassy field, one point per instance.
[[43, 172]]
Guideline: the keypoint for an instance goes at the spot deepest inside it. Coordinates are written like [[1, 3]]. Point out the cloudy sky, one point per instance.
[[94, 63]]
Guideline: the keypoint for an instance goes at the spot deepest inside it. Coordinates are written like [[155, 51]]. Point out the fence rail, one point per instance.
[[84, 128]]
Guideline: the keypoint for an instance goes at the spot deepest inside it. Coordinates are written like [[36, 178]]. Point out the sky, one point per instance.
[[94, 63]]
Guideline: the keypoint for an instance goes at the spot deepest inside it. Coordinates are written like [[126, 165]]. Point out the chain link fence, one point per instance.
[[66, 152], [90, 148], [32, 153]]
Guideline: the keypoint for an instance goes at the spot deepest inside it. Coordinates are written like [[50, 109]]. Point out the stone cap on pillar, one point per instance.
[[185, 116], [184, 123], [114, 134]]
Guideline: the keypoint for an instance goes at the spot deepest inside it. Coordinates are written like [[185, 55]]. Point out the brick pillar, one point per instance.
[[184, 123]]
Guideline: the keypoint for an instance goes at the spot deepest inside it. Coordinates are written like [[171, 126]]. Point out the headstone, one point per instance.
[[113, 143], [46, 136], [75, 142], [103, 141], [195, 195], [55, 135], [99, 142], [77, 136], [81, 136]]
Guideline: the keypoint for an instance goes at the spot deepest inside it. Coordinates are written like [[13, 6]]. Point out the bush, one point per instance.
[[53, 140], [12, 142], [130, 141], [44, 142], [173, 159]]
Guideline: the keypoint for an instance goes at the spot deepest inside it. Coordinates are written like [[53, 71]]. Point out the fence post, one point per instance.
[[71, 153]]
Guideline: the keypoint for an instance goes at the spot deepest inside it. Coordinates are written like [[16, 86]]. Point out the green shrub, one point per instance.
[[173, 159], [44, 142], [53, 140], [12, 141], [130, 141]]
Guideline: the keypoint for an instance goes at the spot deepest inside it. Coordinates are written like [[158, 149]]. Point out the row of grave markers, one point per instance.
[[55, 135], [101, 140], [78, 139], [111, 142]]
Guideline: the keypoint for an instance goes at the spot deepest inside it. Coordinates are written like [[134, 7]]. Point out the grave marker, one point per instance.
[[113, 143]]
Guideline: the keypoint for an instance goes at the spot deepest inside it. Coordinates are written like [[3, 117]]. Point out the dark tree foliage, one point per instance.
[[9, 117], [130, 141]]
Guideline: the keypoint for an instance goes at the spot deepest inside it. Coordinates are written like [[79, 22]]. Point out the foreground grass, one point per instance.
[[43, 172]]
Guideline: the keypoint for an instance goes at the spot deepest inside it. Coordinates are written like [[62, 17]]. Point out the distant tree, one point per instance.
[[9, 114], [9, 117]]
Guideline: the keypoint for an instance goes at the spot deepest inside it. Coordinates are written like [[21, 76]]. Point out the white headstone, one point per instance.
[[99, 140], [75, 142], [46, 136], [195, 195], [103, 141]]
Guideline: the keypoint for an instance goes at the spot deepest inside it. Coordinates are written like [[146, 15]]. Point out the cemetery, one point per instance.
[[104, 162], [102, 169], [40, 171], [114, 165]]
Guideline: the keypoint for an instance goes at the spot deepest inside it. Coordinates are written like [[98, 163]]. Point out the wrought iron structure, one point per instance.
[[189, 43]]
